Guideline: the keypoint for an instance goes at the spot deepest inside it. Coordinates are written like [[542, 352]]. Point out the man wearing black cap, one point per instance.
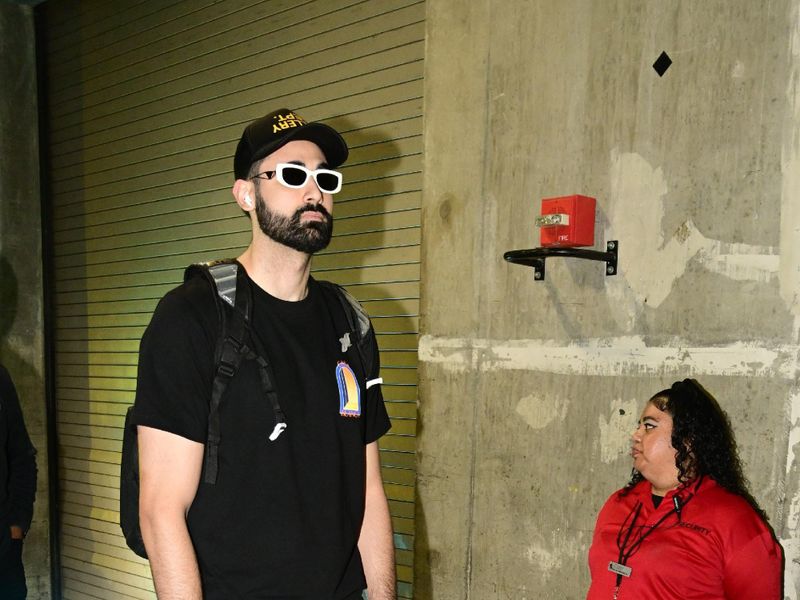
[[299, 511]]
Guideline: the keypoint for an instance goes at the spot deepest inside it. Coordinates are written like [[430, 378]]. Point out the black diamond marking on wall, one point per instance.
[[662, 64]]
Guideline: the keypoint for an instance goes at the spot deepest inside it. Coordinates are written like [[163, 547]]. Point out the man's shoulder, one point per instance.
[[328, 292], [341, 298], [190, 305], [194, 294]]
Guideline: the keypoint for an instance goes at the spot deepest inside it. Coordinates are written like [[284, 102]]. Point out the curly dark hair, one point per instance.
[[703, 439]]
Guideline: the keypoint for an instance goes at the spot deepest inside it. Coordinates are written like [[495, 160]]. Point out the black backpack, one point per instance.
[[233, 297]]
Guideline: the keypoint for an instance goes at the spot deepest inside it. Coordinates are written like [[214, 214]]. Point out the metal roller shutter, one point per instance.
[[146, 100]]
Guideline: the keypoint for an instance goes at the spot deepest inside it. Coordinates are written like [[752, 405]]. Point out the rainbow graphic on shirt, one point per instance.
[[349, 391]]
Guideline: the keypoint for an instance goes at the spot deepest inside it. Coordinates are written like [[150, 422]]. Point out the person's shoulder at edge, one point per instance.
[[8, 391], [6, 381]]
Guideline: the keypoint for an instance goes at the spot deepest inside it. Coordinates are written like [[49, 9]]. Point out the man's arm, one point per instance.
[[169, 473], [376, 543]]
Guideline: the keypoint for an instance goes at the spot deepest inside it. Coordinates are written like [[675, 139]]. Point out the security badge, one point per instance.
[[619, 569]]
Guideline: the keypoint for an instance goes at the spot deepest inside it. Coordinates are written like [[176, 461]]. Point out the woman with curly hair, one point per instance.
[[685, 527]]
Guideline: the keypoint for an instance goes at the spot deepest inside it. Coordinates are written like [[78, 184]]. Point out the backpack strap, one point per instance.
[[229, 281], [361, 329], [230, 285], [267, 377]]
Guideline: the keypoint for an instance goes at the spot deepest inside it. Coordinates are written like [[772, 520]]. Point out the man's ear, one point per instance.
[[243, 191]]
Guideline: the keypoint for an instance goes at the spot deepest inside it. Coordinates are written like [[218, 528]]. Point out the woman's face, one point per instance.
[[652, 451]]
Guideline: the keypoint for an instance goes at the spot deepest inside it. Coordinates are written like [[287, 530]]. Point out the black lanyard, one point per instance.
[[627, 550]]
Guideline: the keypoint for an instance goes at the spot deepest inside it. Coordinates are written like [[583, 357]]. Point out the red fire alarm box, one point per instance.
[[567, 221]]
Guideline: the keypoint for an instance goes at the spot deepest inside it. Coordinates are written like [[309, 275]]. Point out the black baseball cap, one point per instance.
[[265, 135]]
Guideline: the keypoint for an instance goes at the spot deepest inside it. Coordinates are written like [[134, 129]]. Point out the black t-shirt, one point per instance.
[[283, 519]]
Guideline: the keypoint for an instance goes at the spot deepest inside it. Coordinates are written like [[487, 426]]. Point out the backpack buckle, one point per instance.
[[226, 369]]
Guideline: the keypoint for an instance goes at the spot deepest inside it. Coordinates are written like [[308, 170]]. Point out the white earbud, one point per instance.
[[248, 201]]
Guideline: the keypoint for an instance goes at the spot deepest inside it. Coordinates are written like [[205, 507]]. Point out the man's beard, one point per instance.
[[309, 237]]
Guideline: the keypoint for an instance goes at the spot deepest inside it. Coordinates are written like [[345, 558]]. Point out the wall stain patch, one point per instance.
[[636, 183], [616, 429], [539, 412], [546, 560]]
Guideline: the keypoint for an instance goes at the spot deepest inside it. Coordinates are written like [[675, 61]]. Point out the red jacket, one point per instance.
[[719, 549]]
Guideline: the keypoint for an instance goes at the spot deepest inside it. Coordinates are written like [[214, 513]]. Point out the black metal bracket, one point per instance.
[[536, 257]]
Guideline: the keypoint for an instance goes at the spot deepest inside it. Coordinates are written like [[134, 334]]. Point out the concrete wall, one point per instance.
[[21, 314], [529, 390]]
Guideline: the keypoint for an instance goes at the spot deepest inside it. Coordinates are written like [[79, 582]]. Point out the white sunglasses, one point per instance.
[[296, 176]]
